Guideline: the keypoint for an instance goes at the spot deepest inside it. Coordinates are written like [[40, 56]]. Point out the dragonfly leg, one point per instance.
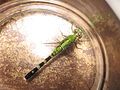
[[82, 40], [63, 34], [52, 43], [72, 28], [76, 45]]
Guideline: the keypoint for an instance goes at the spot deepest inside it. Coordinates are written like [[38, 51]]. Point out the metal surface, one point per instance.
[[74, 69], [21, 49], [108, 27]]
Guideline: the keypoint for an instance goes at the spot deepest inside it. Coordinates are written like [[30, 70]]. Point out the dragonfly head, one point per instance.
[[79, 31]]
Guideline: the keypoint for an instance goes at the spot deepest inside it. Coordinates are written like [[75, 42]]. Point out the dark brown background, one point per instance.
[[108, 27]]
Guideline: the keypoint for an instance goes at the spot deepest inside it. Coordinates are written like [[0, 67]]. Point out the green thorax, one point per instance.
[[68, 40], [64, 44]]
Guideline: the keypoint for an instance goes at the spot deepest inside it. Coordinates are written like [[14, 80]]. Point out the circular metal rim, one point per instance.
[[79, 14]]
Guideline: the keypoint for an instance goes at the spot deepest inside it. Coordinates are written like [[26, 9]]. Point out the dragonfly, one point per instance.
[[66, 42]]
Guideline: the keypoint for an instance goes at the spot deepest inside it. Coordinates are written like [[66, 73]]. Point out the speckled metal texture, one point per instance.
[[75, 68], [63, 72]]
